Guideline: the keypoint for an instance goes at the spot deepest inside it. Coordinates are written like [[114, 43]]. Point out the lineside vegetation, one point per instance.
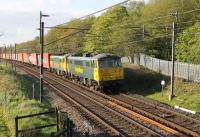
[[142, 81], [119, 30], [17, 103]]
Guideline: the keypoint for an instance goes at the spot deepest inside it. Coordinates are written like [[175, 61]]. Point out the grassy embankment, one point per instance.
[[18, 103], [140, 80]]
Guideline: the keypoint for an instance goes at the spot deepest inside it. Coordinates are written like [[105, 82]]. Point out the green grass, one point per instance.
[[3, 127], [18, 102], [140, 80]]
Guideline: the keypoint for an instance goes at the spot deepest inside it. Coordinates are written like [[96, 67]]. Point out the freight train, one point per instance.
[[98, 71]]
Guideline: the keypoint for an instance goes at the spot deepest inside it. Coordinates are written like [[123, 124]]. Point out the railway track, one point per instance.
[[129, 119], [113, 122], [188, 125]]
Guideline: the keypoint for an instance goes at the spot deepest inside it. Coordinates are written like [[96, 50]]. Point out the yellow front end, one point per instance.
[[63, 64], [108, 74]]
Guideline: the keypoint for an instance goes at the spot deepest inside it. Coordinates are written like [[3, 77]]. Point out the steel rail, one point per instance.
[[131, 107], [112, 131], [116, 113]]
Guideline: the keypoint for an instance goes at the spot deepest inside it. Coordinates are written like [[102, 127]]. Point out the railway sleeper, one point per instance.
[[166, 115]]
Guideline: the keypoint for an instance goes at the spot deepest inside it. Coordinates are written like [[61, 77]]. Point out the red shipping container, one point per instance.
[[13, 56], [26, 57], [4, 56], [46, 60], [8, 57], [34, 59], [20, 57]]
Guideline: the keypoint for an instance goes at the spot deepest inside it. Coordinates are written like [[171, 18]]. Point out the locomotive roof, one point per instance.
[[80, 58], [61, 56], [97, 57], [69, 54], [104, 55], [56, 56]]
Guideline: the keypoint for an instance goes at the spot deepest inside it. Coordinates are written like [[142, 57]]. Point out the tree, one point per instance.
[[103, 29], [72, 43], [29, 46], [188, 45]]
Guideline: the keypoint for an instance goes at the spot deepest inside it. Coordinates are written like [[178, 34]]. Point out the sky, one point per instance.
[[20, 18]]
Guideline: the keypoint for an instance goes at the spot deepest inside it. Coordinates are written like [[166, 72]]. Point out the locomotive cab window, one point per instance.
[[109, 62]]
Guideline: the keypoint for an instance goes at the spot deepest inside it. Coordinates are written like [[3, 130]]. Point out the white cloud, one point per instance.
[[21, 5], [20, 18]]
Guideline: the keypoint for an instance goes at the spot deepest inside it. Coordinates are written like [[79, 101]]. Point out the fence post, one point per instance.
[[168, 68], [70, 128], [188, 71], [152, 63], [16, 126], [57, 119], [64, 127]]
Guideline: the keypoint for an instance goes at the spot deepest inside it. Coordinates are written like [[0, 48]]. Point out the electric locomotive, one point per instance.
[[100, 71]]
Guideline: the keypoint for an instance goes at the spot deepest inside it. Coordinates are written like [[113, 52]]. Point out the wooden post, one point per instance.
[[16, 126]]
